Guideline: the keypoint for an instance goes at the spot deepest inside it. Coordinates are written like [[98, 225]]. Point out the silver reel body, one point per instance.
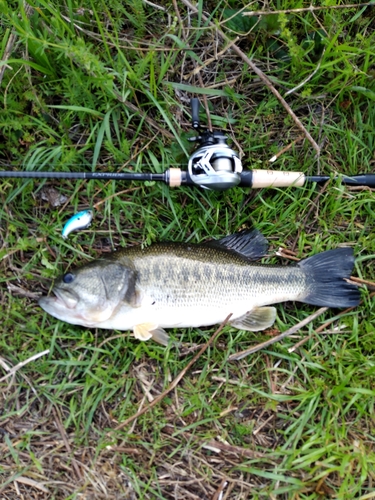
[[215, 165]]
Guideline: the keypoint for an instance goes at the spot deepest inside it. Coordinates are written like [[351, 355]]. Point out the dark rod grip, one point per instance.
[[353, 180], [360, 180]]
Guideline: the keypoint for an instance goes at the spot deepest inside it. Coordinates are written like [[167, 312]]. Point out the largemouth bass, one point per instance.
[[170, 285]]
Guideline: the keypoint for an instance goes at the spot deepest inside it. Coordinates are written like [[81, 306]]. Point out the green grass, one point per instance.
[[105, 86]]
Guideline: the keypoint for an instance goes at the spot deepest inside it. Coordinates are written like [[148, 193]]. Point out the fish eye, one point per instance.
[[68, 278]]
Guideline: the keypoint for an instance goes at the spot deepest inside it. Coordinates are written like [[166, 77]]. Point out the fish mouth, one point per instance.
[[62, 307], [58, 300], [65, 307]]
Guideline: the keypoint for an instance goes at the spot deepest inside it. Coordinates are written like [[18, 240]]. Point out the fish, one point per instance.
[[80, 220], [181, 285]]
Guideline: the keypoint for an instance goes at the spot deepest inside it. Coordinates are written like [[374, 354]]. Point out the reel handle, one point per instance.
[[194, 104]]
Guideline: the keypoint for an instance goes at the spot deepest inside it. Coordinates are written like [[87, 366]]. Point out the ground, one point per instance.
[[106, 87]]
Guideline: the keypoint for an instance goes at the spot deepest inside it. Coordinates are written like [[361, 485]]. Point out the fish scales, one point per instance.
[[185, 285], [208, 278]]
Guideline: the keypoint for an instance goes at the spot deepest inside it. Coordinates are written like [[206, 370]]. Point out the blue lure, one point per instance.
[[80, 220]]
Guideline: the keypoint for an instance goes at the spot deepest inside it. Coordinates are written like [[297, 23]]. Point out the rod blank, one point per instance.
[[176, 177], [119, 176]]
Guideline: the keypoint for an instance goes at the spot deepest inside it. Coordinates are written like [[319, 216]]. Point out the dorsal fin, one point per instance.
[[249, 243]]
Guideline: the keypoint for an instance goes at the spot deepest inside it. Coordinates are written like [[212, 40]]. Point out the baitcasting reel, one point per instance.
[[214, 165]]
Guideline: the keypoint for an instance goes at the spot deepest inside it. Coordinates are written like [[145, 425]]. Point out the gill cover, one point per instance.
[[90, 295]]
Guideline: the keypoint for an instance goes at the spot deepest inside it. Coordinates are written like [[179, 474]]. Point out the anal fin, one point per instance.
[[146, 331], [255, 320]]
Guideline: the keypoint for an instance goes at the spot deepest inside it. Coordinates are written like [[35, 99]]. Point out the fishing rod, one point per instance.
[[214, 165]]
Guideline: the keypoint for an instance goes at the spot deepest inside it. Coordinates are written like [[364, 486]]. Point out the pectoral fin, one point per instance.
[[256, 320], [146, 331], [160, 336]]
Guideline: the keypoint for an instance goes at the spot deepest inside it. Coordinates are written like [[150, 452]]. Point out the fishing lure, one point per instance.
[[80, 220]]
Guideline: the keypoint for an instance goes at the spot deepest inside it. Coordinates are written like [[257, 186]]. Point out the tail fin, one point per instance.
[[326, 273]]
